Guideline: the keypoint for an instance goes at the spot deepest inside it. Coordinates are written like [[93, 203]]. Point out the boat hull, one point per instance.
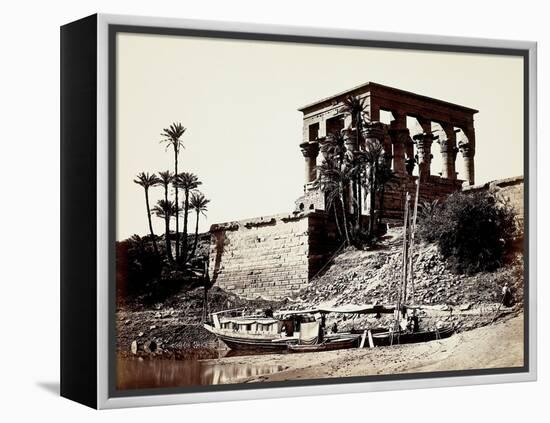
[[386, 339], [336, 344], [254, 344], [240, 344]]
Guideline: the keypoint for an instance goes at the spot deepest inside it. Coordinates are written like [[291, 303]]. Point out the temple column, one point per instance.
[[424, 143], [448, 151], [310, 150], [467, 146], [410, 160], [388, 149], [468, 152], [399, 136]]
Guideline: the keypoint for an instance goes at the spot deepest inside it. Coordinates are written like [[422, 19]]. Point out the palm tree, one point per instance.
[[147, 181], [355, 106], [165, 179], [334, 147], [165, 209], [199, 203], [172, 136], [374, 159], [332, 179], [188, 182]]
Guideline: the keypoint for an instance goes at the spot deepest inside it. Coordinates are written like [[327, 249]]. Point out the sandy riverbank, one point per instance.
[[495, 346]]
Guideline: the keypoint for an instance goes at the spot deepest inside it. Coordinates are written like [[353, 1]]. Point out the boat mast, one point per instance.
[[402, 295], [412, 233]]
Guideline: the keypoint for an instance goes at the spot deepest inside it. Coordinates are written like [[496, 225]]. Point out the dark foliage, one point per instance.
[[136, 266], [473, 231], [144, 277]]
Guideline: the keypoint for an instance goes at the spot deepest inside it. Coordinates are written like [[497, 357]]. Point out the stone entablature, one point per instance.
[[326, 116]]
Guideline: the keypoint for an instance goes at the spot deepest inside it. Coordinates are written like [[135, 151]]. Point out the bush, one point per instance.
[[136, 267], [473, 231]]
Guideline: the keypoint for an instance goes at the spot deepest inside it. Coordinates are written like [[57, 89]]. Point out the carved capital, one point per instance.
[[310, 149], [468, 150], [374, 130], [399, 135]]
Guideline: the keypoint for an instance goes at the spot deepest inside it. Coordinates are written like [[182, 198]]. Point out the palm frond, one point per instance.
[[165, 178], [146, 180], [172, 135], [199, 202], [187, 181], [164, 208]]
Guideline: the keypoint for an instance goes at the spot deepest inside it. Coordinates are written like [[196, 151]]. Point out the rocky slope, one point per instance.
[[366, 277], [353, 277]]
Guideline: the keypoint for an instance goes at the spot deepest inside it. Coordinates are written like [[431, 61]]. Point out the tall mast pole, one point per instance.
[[402, 297], [412, 231]]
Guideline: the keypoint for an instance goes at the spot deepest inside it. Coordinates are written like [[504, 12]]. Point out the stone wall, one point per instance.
[[509, 189], [433, 188], [270, 256], [313, 199], [275, 256]]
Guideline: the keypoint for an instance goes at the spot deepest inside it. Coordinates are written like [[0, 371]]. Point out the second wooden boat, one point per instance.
[[397, 338], [327, 345]]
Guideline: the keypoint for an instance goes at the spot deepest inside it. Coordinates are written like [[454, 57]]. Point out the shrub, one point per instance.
[[473, 231]]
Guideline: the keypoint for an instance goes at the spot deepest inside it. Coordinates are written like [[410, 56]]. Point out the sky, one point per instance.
[[239, 99]]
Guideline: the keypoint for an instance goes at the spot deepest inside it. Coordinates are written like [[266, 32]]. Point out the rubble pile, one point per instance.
[[370, 277]]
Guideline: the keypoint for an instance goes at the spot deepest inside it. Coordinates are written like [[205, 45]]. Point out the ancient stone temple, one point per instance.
[[438, 123], [275, 256]]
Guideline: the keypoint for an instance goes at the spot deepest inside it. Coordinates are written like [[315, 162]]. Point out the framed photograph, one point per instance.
[[253, 211]]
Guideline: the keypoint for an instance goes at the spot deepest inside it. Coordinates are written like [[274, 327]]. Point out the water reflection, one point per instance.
[[133, 373]]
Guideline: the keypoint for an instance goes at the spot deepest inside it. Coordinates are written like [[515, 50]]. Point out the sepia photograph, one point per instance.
[[290, 211]]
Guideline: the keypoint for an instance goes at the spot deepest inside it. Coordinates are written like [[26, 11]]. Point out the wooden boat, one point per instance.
[[268, 334], [397, 338], [327, 345], [252, 333], [251, 342]]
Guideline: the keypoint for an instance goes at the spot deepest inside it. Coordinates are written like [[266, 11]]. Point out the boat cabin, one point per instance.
[[295, 325]]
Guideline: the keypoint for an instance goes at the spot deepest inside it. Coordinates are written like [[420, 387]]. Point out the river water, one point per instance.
[[133, 373]]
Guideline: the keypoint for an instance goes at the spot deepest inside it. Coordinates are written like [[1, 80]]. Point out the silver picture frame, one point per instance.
[[104, 398]]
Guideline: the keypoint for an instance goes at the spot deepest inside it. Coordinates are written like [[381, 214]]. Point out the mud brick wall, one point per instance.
[[270, 256]]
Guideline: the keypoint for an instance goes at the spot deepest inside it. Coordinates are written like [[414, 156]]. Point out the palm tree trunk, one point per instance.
[[167, 229], [358, 204], [155, 247], [177, 203], [185, 218], [345, 221], [196, 238], [336, 220], [372, 192]]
